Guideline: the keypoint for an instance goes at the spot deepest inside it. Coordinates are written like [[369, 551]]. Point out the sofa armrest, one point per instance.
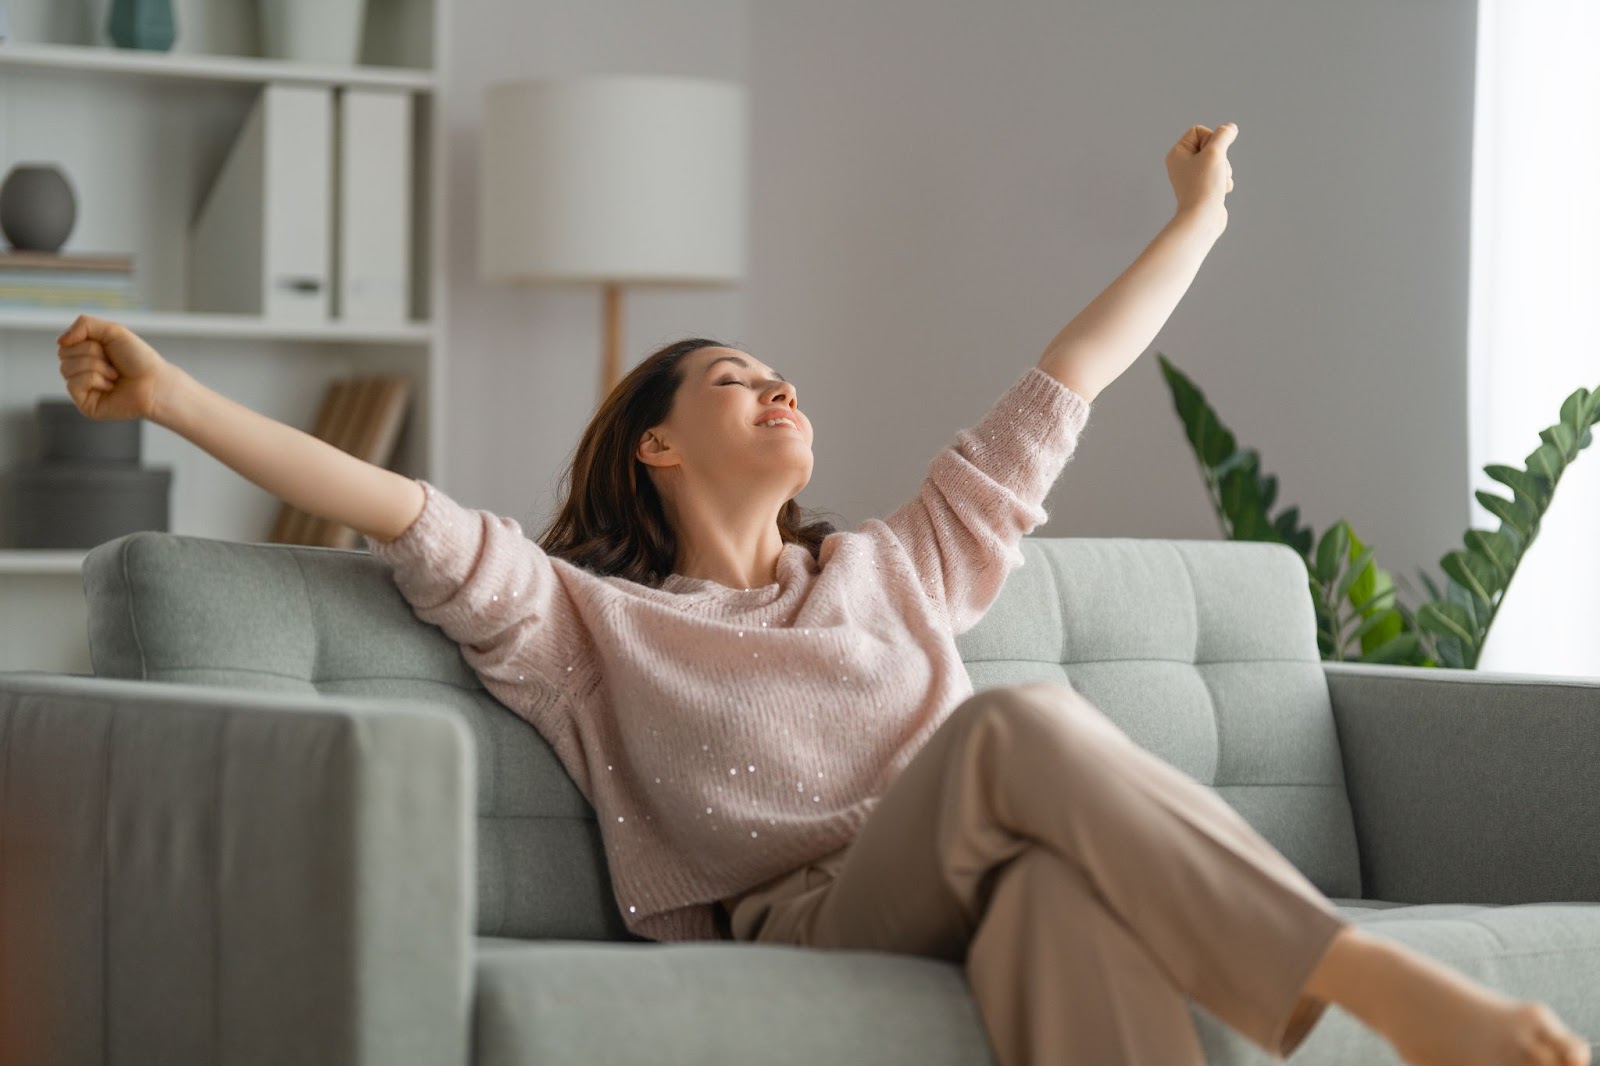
[[201, 874], [1471, 786]]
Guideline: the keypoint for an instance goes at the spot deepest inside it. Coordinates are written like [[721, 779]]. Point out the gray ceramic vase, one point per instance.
[[37, 208], [146, 24]]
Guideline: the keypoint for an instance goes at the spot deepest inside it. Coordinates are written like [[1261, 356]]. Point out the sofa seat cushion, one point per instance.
[[1549, 952], [718, 1004], [708, 1004]]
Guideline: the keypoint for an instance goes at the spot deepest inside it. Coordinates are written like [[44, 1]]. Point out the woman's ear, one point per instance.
[[655, 451]]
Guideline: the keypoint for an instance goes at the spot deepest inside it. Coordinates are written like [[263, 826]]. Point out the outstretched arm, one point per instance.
[[1095, 348], [112, 373]]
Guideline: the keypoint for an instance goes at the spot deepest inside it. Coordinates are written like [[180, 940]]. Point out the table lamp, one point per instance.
[[621, 180]]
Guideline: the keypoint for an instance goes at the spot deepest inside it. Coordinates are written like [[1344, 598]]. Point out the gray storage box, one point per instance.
[[80, 506], [66, 435]]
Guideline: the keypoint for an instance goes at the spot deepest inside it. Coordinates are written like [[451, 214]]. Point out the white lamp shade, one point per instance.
[[613, 179]]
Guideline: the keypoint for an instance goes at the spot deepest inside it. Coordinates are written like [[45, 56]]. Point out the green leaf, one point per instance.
[[1374, 621], [1401, 648], [1385, 606], [1394, 624], [1447, 620], [1433, 590], [1243, 459], [1269, 492], [1458, 565], [1369, 580], [1547, 461], [1498, 548], [1211, 441], [1334, 546], [1532, 488], [1286, 524], [1241, 502], [1572, 409], [1483, 570], [1450, 653], [1299, 538], [1562, 436], [1374, 602], [1457, 593], [1357, 569], [1510, 513]]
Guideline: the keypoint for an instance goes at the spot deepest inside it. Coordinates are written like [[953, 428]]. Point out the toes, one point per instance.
[[1566, 1047]]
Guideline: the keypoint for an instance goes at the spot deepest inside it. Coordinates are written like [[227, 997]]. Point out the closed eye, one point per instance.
[[730, 381]]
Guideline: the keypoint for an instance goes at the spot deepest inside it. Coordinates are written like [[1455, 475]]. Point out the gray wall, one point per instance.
[[938, 188]]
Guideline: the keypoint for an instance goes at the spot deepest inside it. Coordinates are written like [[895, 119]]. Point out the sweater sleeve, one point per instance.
[[488, 587], [985, 492]]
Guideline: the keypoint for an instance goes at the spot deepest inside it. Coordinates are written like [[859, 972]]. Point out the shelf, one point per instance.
[[206, 68], [37, 561], [250, 327]]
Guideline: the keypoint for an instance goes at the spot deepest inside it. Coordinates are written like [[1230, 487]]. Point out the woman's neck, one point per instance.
[[735, 551]]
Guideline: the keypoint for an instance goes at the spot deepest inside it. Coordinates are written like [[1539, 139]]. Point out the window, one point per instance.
[[1534, 305]]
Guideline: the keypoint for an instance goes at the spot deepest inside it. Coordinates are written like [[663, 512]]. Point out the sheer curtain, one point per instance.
[[1535, 299]]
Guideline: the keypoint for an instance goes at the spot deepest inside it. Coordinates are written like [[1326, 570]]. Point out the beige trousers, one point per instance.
[[1088, 886]]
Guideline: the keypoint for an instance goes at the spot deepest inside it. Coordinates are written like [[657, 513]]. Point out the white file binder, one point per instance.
[[372, 234], [262, 240]]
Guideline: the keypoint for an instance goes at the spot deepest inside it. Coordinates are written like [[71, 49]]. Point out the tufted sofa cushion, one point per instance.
[[1204, 652], [164, 607]]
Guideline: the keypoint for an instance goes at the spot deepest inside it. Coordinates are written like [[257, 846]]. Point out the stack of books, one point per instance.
[[359, 415], [67, 282]]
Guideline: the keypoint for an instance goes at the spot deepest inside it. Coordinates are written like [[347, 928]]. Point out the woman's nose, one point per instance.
[[779, 392]]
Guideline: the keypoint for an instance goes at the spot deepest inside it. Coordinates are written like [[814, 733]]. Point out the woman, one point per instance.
[[776, 730]]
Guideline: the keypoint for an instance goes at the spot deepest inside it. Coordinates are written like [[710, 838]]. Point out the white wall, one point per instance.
[[939, 187]]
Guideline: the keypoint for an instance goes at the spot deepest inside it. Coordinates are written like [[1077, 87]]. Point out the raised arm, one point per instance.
[[1106, 337], [986, 491], [112, 373]]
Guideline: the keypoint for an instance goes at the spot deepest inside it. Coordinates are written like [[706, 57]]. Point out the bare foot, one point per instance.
[[1435, 1016]]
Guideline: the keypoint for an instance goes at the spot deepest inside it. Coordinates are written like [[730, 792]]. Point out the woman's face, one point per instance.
[[733, 420]]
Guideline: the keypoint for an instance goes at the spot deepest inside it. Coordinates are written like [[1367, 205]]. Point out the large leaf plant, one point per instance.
[[1359, 613]]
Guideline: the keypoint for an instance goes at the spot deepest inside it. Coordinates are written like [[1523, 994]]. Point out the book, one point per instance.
[[68, 303], [66, 290], [105, 263], [362, 416], [58, 281]]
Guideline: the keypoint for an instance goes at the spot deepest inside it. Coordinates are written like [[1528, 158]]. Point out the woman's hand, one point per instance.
[[1199, 169], [111, 373]]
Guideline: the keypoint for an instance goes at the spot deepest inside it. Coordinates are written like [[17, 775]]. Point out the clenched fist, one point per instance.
[[111, 373], [1199, 169]]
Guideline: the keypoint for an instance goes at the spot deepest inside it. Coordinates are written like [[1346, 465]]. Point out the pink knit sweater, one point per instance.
[[725, 736]]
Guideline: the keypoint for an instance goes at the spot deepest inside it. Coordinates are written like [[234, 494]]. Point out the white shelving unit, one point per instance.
[[42, 561], [120, 64], [141, 135]]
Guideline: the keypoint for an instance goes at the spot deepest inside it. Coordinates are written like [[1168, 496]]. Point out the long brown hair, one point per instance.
[[612, 521]]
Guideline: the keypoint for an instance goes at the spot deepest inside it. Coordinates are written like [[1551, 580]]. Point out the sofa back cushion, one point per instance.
[[165, 607], [1205, 653]]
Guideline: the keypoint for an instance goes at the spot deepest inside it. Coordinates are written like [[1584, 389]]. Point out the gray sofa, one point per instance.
[[286, 824]]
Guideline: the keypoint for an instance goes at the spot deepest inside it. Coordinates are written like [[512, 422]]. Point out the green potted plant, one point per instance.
[[1359, 614]]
